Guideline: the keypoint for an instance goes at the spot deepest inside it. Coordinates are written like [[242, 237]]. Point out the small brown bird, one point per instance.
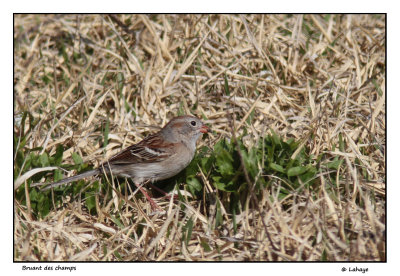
[[157, 157]]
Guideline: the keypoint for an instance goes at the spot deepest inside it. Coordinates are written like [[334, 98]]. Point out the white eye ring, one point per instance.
[[193, 123]]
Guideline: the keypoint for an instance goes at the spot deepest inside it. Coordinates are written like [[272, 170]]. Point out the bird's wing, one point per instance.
[[152, 149]]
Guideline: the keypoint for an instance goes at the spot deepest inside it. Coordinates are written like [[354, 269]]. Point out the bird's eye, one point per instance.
[[193, 123]]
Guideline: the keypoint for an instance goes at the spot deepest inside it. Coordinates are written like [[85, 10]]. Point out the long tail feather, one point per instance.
[[68, 179]]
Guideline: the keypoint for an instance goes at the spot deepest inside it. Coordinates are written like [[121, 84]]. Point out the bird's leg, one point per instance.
[[153, 204], [166, 195]]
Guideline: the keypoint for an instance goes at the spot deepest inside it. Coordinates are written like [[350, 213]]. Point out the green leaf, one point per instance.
[[117, 255], [224, 163], [335, 163], [226, 86], [341, 142], [249, 119], [34, 195], [24, 115], [250, 160], [377, 87], [77, 159], [234, 221], [117, 221], [277, 167], [218, 215], [90, 201], [194, 185], [181, 110], [275, 139], [206, 163], [43, 205], [57, 175], [106, 132], [294, 171], [221, 184], [205, 245], [59, 155], [309, 176], [189, 229], [44, 160]]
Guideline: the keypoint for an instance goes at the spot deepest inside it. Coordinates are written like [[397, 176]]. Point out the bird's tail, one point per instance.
[[68, 179]]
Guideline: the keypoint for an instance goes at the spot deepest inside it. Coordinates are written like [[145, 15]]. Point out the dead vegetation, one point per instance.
[[319, 79]]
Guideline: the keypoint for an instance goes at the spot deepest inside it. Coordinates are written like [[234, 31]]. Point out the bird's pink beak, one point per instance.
[[204, 129]]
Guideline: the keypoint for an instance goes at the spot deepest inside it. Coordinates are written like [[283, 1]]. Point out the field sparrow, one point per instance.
[[157, 157]]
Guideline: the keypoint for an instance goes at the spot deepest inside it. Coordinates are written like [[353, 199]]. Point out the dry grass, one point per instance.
[[317, 78]]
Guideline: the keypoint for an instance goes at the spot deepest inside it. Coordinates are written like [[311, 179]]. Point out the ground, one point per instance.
[[293, 169]]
